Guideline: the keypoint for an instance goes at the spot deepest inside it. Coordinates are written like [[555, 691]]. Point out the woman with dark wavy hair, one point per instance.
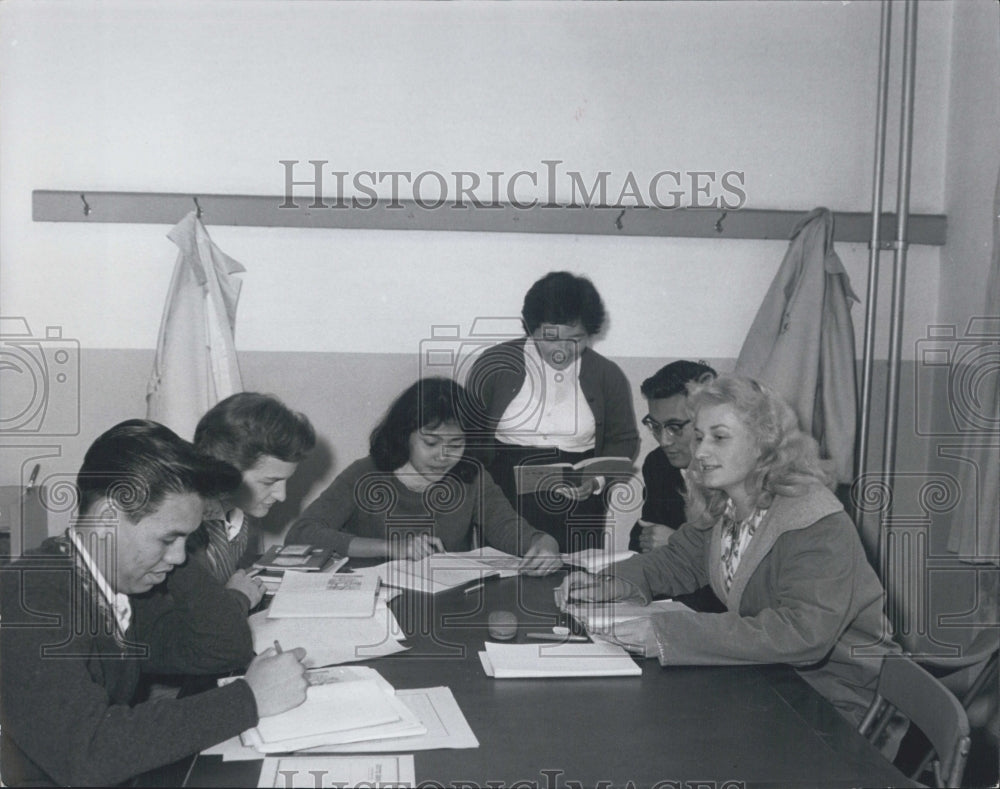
[[419, 492], [777, 548]]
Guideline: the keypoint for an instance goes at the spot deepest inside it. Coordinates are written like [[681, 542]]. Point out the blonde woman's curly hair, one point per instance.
[[788, 463]]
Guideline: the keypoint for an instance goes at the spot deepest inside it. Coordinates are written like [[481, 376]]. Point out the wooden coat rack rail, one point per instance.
[[264, 211]]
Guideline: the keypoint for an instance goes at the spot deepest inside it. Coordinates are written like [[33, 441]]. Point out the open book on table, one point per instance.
[[442, 571], [549, 477]]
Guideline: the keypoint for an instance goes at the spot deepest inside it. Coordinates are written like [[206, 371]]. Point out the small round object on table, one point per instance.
[[502, 625]]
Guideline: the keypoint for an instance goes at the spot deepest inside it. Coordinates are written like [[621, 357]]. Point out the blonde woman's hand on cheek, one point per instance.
[[542, 557]]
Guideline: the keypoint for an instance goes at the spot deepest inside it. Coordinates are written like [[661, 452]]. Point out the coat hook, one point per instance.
[[86, 205], [718, 222], [618, 220], [197, 207]]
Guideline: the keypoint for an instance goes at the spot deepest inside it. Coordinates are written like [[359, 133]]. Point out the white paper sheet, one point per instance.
[[441, 571], [507, 564], [593, 560], [308, 595], [440, 714], [332, 713], [340, 771], [334, 640]]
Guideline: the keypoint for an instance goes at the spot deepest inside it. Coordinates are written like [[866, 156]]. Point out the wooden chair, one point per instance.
[[983, 650], [930, 706]]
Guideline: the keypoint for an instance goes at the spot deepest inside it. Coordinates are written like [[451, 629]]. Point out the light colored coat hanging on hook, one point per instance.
[[196, 364]]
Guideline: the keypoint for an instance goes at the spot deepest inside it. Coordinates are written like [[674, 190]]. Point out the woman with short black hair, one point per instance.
[[549, 397]]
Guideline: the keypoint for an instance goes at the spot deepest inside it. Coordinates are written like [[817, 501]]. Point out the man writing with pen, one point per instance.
[[264, 441], [79, 626]]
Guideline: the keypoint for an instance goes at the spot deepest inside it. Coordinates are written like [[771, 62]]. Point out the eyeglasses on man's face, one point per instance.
[[674, 427]]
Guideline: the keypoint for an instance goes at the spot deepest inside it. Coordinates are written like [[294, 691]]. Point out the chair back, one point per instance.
[[930, 706]]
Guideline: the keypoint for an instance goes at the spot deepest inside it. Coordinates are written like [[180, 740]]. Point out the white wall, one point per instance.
[[973, 159], [207, 97]]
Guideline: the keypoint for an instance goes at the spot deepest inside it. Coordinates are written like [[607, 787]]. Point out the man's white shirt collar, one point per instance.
[[119, 602]]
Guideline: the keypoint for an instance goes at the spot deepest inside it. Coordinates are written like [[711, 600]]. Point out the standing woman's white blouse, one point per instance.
[[550, 409]]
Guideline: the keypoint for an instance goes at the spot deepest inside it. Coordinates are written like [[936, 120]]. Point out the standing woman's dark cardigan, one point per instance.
[[499, 373]]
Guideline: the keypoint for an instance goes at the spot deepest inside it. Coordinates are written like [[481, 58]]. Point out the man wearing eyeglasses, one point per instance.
[[667, 420]]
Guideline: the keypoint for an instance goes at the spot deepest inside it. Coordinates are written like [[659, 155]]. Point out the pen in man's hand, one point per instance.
[[277, 647]]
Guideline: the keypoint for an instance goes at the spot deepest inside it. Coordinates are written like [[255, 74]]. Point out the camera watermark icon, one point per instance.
[[484, 361], [963, 369], [912, 572], [39, 381]]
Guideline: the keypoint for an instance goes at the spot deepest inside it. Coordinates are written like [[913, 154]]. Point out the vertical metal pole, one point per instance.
[[900, 244], [878, 178]]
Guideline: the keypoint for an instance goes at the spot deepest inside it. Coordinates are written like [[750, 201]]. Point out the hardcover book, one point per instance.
[[302, 558]]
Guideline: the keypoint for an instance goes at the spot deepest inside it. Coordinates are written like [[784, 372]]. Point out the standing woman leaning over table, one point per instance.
[[549, 398], [777, 548], [418, 491]]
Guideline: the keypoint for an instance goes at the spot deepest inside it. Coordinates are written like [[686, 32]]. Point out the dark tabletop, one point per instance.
[[706, 727]]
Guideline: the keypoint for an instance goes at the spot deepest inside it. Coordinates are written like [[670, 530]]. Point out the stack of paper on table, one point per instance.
[[441, 571], [325, 595], [599, 659], [434, 708], [439, 713], [333, 714], [330, 639]]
